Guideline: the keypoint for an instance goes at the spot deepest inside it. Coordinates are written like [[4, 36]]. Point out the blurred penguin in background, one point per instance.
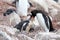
[[12, 16], [22, 8]]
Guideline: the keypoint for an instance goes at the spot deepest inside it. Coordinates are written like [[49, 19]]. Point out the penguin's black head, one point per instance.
[[8, 12], [34, 12]]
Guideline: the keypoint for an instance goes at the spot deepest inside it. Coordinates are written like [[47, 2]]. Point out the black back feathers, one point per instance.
[[20, 25], [51, 26]]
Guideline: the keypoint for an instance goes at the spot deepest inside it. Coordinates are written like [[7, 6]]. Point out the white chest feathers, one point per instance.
[[14, 18]]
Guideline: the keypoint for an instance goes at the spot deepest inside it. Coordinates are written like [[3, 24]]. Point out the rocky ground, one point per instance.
[[9, 33]]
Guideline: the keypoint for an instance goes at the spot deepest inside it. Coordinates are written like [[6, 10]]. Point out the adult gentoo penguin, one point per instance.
[[43, 19]]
